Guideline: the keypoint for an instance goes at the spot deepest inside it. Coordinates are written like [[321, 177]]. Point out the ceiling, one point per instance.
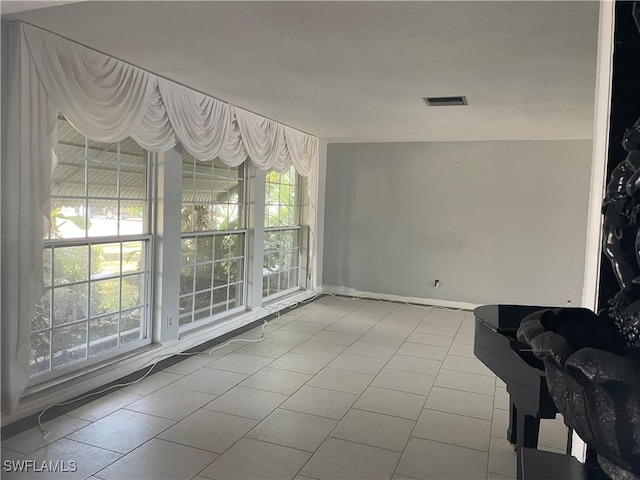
[[357, 71]]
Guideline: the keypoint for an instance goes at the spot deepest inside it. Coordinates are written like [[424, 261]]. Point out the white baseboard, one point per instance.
[[352, 292]]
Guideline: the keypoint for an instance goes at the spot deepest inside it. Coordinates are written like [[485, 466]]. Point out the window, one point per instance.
[[96, 254], [281, 272], [212, 277]]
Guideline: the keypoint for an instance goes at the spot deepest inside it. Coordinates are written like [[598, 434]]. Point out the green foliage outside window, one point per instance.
[[72, 285]]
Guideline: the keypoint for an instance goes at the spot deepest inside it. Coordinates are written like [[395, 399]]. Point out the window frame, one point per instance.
[[147, 239], [299, 205], [244, 233]]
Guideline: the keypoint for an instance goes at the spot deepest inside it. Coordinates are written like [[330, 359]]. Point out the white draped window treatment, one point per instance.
[[107, 100]]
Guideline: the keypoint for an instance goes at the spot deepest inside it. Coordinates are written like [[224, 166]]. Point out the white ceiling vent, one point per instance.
[[445, 101]]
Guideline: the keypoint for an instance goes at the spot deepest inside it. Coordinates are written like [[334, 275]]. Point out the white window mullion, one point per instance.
[[256, 220]]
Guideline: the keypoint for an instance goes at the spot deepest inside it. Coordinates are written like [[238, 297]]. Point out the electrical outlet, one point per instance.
[[169, 320]]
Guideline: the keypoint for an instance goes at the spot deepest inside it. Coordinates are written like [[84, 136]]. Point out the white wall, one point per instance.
[[495, 222], [4, 86]]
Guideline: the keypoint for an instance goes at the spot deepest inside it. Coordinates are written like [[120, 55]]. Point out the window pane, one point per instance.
[[236, 245], [102, 176], [68, 218], [220, 300], [103, 334], [39, 358], [272, 262], [132, 217], [221, 247], [203, 276], [132, 291], [187, 250], [236, 295], [46, 267], [71, 264], [288, 215], [103, 218], [202, 300], [233, 218], [220, 273], [105, 260], [133, 177], [69, 344], [274, 287], [102, 152], [188, 163], [131, 326], [186, 216], [220, 216], [105, 296], [236, 270], [271, 219], [202, 218], [42, 318], [186, 280], [293, 277], [69, 171], [204, 249], [186, 305], [284, 280], [133, 257], [70, 303]]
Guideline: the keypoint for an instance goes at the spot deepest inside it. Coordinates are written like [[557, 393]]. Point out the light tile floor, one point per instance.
[[339, 389]]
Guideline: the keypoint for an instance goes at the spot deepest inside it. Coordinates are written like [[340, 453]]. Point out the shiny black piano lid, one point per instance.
[[504, 318]]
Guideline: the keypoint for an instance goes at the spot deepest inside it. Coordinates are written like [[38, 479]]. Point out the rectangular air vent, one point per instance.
[[445, 101]]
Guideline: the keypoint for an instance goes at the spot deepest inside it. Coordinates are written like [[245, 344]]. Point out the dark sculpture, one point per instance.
[[620, 216], [592, 361], [621, 241], [594, 381]]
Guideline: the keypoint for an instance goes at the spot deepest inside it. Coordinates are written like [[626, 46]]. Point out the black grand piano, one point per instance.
[[496, 346], [513, 362]]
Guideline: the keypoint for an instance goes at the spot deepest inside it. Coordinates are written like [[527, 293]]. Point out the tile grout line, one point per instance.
[[325, 327], [359, 396], [453, 445], [437, 374], [184, 418], [411, 435], [290, 395]]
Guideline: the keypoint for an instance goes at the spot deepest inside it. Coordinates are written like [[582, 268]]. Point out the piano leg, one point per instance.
[[528, 428], [512, 431], [530, 431]]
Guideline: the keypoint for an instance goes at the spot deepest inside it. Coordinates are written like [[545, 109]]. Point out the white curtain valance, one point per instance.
[[107, 100]]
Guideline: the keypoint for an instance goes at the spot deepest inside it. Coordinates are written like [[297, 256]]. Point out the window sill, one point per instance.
[[89, 372]]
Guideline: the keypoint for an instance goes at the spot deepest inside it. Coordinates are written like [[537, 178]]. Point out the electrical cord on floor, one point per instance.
[[272, 309], [402, 300]]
